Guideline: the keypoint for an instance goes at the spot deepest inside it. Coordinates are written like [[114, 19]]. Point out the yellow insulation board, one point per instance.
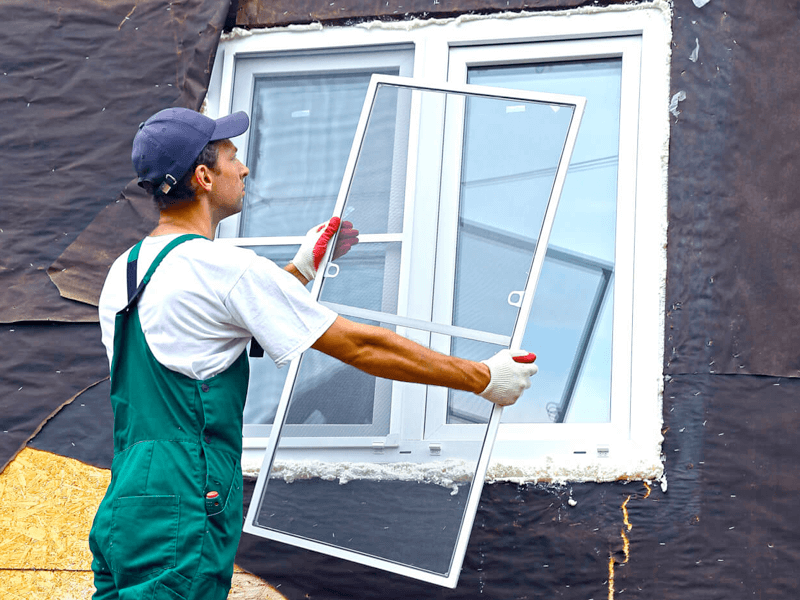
[[48, 504]]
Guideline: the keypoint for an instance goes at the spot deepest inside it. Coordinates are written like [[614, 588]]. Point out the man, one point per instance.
[[176, 314]]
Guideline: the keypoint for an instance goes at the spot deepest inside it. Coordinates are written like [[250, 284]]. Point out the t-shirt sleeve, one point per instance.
[[275, 307]]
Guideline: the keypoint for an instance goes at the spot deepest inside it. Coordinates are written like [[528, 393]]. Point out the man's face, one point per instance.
[[228, 180]]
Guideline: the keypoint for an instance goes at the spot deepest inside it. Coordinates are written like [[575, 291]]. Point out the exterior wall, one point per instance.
[[258, 13], [724, 527]]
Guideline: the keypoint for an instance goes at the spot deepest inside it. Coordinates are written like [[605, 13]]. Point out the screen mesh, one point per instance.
[[360, 467]]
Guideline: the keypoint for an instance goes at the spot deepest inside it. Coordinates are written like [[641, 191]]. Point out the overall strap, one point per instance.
[[134, 291], [131, 272]]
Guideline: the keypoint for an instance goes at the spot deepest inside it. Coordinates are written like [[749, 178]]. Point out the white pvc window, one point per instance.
[[597, 319], [414, 518]]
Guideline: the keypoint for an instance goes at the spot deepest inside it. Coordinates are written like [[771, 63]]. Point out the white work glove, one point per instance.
[[511, 372], [312, 250]]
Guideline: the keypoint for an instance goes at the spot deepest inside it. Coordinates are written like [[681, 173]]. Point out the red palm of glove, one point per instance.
[[322, 242], [526, 359], [312, 250], [348, 237]]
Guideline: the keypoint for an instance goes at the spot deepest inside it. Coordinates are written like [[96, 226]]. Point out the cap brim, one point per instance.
[[230, 126]]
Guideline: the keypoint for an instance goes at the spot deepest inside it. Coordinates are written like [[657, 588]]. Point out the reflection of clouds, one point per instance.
[[586, 217], [297, 164], [562, 314], [511, 142], [599, 81], [563, 298], [591, 399]]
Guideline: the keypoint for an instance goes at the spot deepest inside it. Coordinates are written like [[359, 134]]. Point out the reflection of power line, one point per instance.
[[575, 167], [522, 242], [557, 412], [253, 198]]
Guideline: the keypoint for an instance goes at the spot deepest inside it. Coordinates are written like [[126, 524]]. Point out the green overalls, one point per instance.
[[170, 522]]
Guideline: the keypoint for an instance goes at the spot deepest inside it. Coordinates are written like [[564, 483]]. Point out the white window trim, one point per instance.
[[550, 456]]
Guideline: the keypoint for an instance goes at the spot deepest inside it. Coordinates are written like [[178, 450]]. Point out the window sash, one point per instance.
[[300, 63], [629, 49]]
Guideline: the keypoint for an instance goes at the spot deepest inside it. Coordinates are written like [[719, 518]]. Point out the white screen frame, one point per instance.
[[451, 578]]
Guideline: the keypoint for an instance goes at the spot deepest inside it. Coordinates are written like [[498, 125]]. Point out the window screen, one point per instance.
[[392, 495]]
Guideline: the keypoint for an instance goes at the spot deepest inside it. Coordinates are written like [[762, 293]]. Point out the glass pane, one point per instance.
[[589, 402], [570, 327], [511, 152], [330, 393], [266, 380], [564, 322], [366, 277], [301, 134]]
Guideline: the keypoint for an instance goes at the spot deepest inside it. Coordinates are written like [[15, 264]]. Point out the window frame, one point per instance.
[[628, 49], [586, 453]]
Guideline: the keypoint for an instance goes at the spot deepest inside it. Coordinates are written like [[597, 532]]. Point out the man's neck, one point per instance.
[[191, 217]]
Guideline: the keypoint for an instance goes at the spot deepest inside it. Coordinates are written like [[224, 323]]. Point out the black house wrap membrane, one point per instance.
[[724, 528]]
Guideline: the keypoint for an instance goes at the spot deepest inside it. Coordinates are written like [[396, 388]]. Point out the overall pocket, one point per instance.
[[223, 476], [144, 534]]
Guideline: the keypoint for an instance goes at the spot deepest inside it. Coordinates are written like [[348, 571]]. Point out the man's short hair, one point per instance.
[[184, 191]]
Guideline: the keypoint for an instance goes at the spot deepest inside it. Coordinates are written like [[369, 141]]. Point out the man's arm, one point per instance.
[[383, 353], [290, 268]]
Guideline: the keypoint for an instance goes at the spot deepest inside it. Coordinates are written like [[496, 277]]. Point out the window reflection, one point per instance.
[[302, 131]]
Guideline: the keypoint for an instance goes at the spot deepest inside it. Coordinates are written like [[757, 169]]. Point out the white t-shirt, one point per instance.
[[205, 301]]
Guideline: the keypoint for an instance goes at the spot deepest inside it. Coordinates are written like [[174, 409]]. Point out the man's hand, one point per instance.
[[511, 373], [313, 248], [348, 237]]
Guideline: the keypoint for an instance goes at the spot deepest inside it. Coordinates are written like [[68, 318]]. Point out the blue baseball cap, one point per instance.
[[168, 143]]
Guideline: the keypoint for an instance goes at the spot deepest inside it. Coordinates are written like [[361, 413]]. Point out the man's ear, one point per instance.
[[203, 178]]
